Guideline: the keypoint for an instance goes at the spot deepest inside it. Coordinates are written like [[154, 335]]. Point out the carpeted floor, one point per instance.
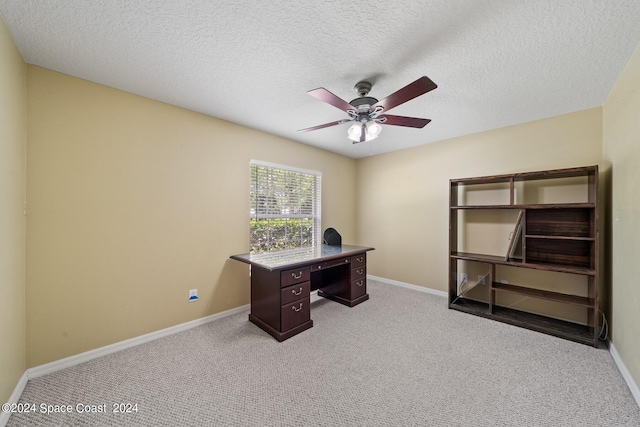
[[400, 359]]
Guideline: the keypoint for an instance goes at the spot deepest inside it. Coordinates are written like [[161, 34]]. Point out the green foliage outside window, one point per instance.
[[280, 233]]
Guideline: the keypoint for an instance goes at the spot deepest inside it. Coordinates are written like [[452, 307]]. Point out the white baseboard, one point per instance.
[[15, 396], [67, 362], [408, 286], [635, 391]]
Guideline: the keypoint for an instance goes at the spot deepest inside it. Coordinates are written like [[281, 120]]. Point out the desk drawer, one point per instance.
[[329, 264], [358, 288], [294, 314], [291, 277], [295, 292], [358, 273], [358, 260]]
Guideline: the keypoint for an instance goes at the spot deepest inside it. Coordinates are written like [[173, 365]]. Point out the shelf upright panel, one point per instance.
[[492, 295], [512, 200], [595, 282], [453, 241]]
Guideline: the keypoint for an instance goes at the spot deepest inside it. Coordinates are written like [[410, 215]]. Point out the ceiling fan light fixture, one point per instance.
[[373, 129], [354, 131]]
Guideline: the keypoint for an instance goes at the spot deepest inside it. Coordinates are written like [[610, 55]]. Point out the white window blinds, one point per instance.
[[284, 207]]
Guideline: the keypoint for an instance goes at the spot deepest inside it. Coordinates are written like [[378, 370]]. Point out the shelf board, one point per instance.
[[555, 267], [537, 236], [491, 259], [471, 306], [556, 327], [559, 328], [530, 206], [473, 207], [494, 259], [556, 173], [548, 295], [584, 171]]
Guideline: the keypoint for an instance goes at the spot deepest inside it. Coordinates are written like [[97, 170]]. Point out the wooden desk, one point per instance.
[[281, 282]]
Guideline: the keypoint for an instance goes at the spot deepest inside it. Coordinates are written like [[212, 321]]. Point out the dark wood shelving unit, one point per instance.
[[553, 237]]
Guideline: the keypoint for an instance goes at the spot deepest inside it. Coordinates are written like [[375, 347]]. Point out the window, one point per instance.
[[284, 207]]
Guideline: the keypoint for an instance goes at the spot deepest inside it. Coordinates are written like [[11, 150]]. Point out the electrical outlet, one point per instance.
[[193, 295], [481, 279], [464, 278]]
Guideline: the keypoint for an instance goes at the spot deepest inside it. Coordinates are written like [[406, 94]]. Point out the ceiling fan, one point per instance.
[[367, 113]]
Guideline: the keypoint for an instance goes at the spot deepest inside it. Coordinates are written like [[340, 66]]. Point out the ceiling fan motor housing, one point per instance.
[[363, 103]]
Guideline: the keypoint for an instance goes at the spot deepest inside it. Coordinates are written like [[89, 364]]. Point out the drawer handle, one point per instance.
[[360, 271], [359, 259], [296, 276], [293, 291], [346, 260], [296, 309], [319, 267], [360, 282]]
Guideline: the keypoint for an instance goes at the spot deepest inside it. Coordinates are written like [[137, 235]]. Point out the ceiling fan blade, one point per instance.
[[324, 95], [326, 125], [412, 122], [407, 93]]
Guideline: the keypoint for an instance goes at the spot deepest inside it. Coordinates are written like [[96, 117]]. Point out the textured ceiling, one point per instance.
[[496, 62]]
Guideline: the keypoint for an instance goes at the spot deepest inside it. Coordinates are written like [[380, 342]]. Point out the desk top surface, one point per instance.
[[276, 260]]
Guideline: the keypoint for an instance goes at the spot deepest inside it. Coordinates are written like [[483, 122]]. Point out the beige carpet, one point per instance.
[[400, 359]]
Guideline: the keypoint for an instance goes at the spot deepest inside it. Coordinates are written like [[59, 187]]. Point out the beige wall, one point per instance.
[[12, 220], [132, 202], [403, 197], [621, 142]]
